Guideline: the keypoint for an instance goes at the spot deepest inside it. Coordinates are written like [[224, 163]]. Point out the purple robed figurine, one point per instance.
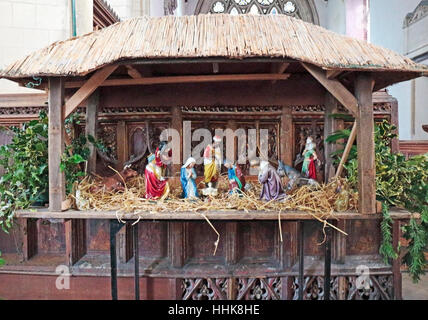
[[271, 183]]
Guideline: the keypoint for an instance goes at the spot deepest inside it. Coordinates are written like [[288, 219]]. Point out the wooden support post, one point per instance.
[[396, 264], [177, 243], [56, 143], [124, 244], [287, 150], [122, 146], [177, 125], [91, 128], [339, 243], [331, 125], [232, 248], [75, 240], [365, 145]]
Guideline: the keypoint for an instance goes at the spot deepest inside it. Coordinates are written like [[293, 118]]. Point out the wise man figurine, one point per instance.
[[309, 157], [157, 187], [236, 177], [212, 162], [270, 180], [187, 178]]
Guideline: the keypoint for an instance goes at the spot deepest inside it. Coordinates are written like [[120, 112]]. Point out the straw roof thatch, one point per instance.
[[204, 36]]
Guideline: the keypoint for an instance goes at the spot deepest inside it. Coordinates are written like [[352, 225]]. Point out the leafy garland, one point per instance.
[[401, 183]]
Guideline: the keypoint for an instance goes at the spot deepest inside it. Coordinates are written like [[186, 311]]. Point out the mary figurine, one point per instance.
[[187, 178]]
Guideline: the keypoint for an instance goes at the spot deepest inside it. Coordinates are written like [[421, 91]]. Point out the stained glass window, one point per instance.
[[256, 7]]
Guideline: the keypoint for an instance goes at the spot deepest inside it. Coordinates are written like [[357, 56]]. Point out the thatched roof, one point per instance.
[[204, 36]]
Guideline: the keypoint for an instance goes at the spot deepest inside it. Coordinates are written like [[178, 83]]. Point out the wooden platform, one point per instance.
[[212, 215]]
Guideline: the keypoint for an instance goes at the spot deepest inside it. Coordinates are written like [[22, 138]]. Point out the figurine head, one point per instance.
[[254, 163], [216, 141], [151, 158], [228, 164], [190, 163]]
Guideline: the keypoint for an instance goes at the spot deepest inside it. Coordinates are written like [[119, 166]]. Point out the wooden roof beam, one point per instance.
[[335, 87], [175, 79], [279, 68], [334, 73], [86, 88], [133, 72]]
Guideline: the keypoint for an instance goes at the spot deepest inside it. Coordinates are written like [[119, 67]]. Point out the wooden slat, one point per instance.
[[212, 215], [56, 143], [184, 79], [87, 88], [286, 136], [347, 150], [331, 125], [133, 72], [91, 128], [365, 145], [337, 89]]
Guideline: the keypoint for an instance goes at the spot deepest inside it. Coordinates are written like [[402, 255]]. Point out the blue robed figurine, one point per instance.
[[236, 177], [187, 178]]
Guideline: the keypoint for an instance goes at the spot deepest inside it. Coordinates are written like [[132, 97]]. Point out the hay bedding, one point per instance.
[[320, 202]]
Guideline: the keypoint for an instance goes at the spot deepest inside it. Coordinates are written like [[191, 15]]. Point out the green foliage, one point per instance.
[[386, 248], [2, 262], [24, 160], [401, 183], [25, 163]]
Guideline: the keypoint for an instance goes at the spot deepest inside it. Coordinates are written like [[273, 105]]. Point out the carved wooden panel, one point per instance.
[[379, 287], [313, 238], [98, 232], [200, 241], [257, 241], [51, 236], [259, 289], [153, 239], [205, 289], [313, 288], [364, 237]]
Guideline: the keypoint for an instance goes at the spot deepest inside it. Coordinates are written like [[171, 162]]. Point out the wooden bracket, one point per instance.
[[87, 88], [335, 87]]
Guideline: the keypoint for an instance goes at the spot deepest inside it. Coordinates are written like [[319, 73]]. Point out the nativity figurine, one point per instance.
[[188, 179], [157, 187], [212, 167], [309, 158], [270, 181], [236, 177]]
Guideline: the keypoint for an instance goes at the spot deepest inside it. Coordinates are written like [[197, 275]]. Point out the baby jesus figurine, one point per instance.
[[187, 178]]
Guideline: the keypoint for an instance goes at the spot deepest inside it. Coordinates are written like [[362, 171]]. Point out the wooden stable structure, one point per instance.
[[218, 71]]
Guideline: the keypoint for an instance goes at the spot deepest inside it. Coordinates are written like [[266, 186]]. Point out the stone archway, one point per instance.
[[302, 9]]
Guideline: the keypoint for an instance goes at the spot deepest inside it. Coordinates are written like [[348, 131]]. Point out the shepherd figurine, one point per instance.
[[212, 162], [236, 177], [310, 156], [187, 178]]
